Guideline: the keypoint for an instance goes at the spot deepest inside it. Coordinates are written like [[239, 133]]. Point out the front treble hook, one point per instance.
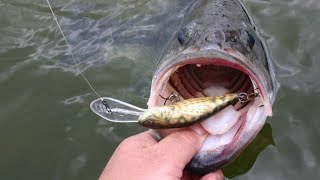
[[244, 97], [173, 98]]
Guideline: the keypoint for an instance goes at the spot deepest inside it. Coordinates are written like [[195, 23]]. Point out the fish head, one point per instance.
[[208, 60]]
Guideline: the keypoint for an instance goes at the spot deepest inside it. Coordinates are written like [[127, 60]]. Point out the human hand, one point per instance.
[[141, 157]]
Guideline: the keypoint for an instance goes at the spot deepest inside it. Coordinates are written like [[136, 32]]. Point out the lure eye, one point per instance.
[[184, 35], [148, 124]]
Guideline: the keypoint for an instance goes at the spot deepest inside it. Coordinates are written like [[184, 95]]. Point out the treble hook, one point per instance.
[[244, 97], [172, 98]]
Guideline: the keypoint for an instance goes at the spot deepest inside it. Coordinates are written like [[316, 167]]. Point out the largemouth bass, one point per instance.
[[218, 51]]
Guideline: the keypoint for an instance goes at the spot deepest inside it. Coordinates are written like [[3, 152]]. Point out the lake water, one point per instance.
[[47, 130]]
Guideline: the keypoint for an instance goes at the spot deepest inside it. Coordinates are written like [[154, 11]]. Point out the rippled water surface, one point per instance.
[[47, 130]]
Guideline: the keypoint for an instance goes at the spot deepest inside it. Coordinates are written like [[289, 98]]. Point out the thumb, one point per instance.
[[218, 175], [179, 147]]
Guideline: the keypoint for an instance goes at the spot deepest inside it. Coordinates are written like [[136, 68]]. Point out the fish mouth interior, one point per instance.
[[198, 78], [203, 80]]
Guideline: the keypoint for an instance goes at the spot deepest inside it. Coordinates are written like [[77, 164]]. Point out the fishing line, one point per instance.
[[75, 63], [120, 110]]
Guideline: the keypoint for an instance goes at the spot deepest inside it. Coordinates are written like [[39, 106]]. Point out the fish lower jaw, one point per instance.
[[225, 127], [220, 149]]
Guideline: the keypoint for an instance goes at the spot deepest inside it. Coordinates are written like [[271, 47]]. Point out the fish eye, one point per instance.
[[247, 39], [184, 35]]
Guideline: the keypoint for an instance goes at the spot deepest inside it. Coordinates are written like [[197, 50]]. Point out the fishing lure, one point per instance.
[[180, 114], [188, 112]]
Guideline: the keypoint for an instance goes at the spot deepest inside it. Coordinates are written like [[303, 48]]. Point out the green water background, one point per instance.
[[47, 130]]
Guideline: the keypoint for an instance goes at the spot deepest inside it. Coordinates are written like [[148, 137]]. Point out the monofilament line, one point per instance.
[[75, 63]]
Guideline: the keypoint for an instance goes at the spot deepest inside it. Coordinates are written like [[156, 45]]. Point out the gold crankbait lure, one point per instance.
[[190, 111], [181, 114]]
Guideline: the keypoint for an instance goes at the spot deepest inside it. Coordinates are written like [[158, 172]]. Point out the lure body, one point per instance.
[[185, 113]]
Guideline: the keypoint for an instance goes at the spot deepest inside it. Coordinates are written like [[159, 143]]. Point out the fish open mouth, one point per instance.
[[231, 129]]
